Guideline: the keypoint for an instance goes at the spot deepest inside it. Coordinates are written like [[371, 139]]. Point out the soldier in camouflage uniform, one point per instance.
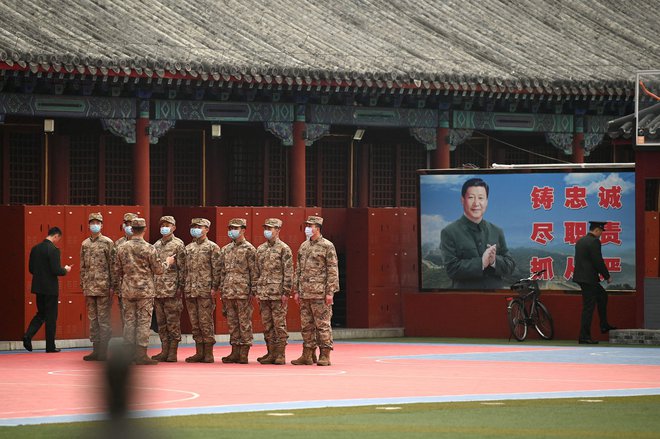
[[96, 281], [136, 264], [169, 286], [238, 287], [315, 283], [128, 232], [274, 279], [202, 268]]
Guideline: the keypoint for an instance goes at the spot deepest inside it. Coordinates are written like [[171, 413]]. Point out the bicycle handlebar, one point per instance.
[[535, 274]]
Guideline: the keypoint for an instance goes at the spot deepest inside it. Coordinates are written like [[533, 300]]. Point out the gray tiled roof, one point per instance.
[[527, 45]]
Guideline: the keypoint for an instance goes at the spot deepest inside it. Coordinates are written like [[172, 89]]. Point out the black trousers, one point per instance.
[[46, 313], [592, 295]]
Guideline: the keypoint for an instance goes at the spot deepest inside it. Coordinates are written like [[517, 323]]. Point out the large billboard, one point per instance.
[[483, 230]]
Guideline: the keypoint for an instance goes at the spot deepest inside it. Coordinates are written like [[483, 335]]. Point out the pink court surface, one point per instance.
[[49, 388]]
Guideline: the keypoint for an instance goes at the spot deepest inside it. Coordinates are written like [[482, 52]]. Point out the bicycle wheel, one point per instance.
[[543, 322], [516, 317]]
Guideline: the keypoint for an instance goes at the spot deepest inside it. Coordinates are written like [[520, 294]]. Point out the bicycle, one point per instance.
[[527, 310]]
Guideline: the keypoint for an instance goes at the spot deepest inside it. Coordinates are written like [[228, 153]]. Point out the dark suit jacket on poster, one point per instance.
[[589, 261], [45, 267], [462, 244]]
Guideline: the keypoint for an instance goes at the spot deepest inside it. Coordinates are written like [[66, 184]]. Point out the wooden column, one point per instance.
[[297, 162], [5, 166], [60, 169], [363, 176], [216, 174], [141, 172], [440, 157], [578, 148]]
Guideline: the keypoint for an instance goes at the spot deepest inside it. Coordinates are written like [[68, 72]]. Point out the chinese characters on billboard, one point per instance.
[[485, 230]]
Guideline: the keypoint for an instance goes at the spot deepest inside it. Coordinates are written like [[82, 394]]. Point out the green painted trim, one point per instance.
[[520, 122]]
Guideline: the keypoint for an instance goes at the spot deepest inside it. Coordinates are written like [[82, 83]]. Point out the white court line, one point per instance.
[[224, 371], [191, 396], [68, 372]]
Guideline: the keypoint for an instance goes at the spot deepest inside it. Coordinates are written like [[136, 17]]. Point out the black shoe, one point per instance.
[[27, 343], [53, 351], [608, 328], [587, 341]]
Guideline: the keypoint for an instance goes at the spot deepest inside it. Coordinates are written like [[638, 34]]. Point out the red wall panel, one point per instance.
[[72, 322], [75, 230], [652, 244], [483, 315], [31, 224]]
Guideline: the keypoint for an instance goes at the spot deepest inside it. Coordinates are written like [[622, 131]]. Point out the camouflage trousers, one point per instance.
[[239, 320], [315, 316], [200, 311], [168, 315], [100, 323], [273, 317], [121, 309], [137, 320]]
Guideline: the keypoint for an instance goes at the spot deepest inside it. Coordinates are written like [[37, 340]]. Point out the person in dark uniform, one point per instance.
[[589, 265], [45, 267], [473, 250]]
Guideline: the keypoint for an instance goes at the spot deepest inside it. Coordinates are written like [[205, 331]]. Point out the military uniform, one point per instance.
[[202, 274], [237, 286], [116, 287], [462, 244], [137, 262], [168, 302], [96, 282], [316, 276], [274, 279]]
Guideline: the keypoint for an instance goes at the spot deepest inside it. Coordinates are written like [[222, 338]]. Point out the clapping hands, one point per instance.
[[489, 257]]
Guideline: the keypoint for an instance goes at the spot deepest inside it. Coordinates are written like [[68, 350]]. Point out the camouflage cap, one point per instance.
[[139, 222], [200, 222], [167, 219], [273, 222], [238, 222], [129, 217], [95, 216], [314, 220]]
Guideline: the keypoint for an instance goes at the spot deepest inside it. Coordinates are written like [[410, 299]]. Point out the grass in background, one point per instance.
[[620, 417]]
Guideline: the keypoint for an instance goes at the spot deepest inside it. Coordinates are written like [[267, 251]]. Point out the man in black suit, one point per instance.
[[589, 266], [45, 267]]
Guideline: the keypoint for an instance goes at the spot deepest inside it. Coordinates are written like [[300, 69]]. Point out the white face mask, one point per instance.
[[128, 230], [233, 234], [268, 234], [165, 231], [95, 228], [309, 232]]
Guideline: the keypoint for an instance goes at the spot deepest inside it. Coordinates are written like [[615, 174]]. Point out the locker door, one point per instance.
[[75, 231], [72, 322]]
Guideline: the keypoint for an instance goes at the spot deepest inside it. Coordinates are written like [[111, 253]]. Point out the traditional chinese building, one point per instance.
[[238, 107]]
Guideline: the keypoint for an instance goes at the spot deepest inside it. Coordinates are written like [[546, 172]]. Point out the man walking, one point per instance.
[[136, 264], [274, 279], [96, 281], [169, 286], [315, 283], [44, 265], [237, 287], [589, 265]]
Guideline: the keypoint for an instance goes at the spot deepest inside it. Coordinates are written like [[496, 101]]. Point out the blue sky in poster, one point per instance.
[[510, 206]]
